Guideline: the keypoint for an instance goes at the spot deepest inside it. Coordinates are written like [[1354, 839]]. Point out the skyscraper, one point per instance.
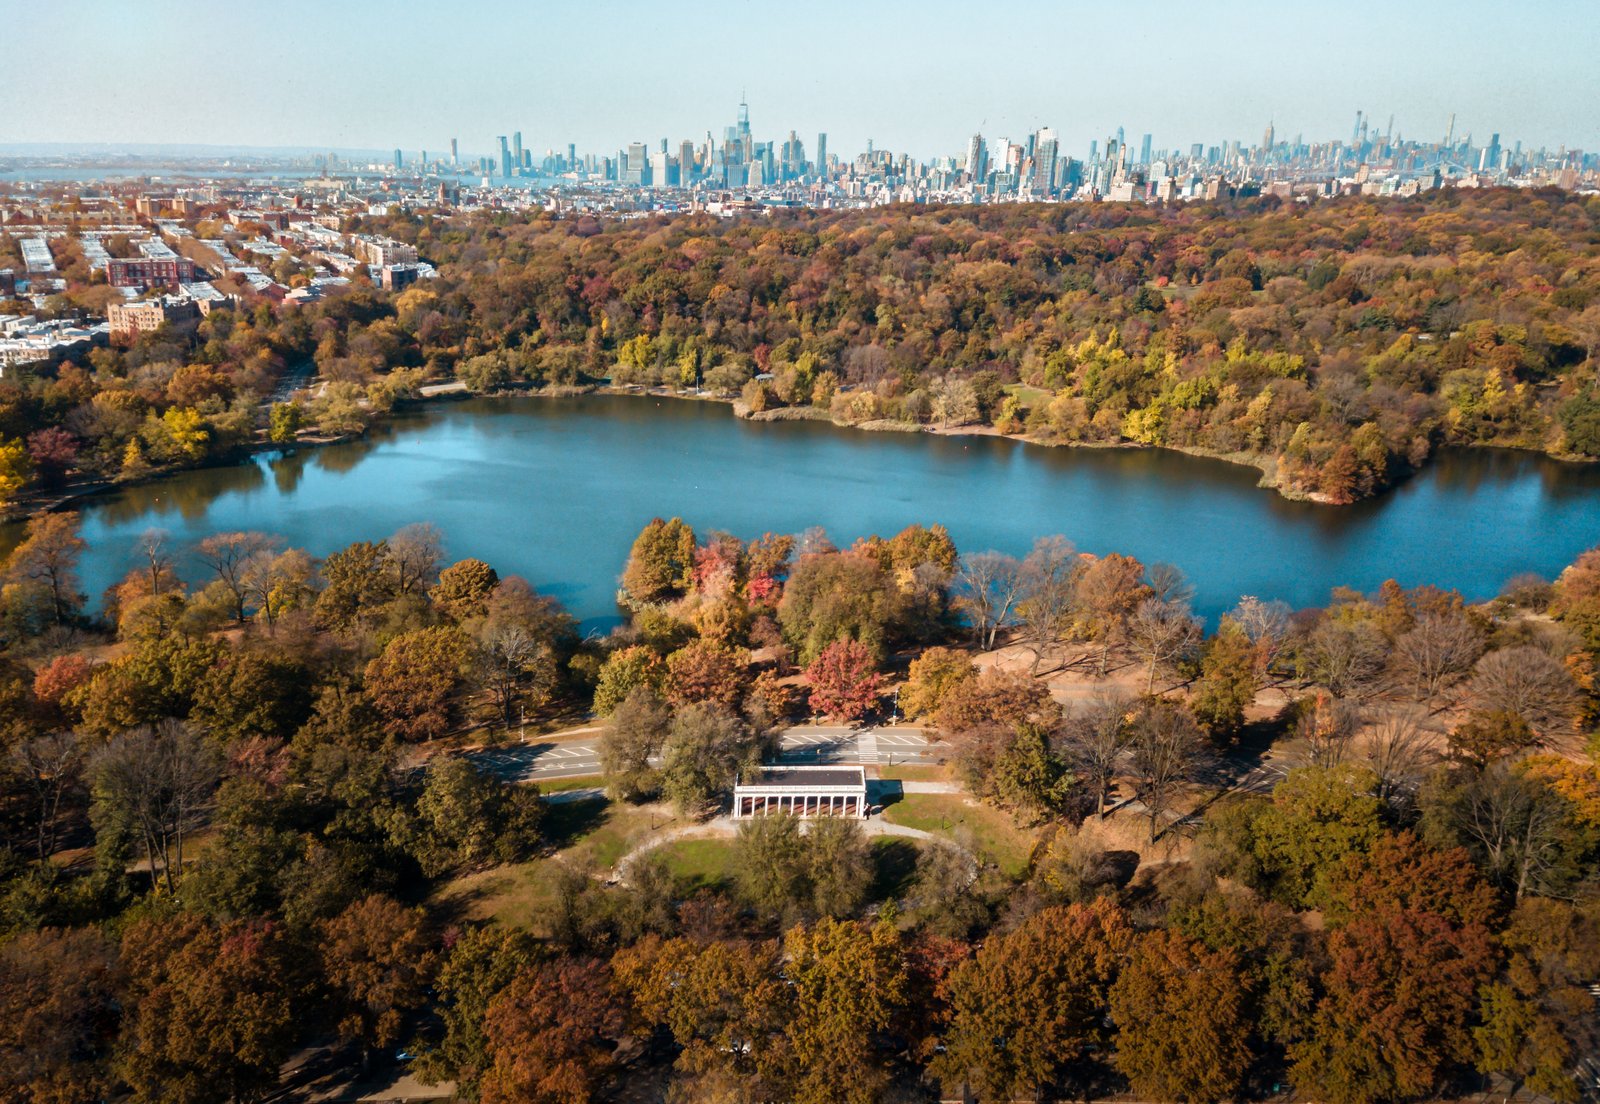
[[1144, 150], [1046, 149], [516, 150], [505, 157], [398, 161], [976, 157], [455, 153], [822, 154]]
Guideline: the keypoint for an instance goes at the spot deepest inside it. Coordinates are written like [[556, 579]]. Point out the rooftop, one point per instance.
[[807, 776]]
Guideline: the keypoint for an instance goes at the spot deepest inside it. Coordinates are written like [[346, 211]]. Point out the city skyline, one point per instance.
[[626, 73]]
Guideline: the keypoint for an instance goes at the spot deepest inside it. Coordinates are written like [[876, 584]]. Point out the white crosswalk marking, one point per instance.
[[867, 746]]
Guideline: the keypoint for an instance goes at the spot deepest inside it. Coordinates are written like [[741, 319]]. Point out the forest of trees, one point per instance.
[[1335, 344], [233, 798]]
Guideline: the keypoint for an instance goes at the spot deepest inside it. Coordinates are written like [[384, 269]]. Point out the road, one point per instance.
[[578, 754]]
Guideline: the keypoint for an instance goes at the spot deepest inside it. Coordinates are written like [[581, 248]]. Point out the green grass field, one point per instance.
[[699, 863], [992, 833]]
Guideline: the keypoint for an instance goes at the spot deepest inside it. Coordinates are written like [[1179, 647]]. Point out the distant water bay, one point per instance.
[[556, 489]]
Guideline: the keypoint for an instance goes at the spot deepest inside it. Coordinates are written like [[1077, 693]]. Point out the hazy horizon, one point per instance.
[[918, 78]]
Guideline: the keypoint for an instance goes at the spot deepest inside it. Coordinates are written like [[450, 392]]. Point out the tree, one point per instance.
[[415, 679], [832, 595], [59, 1011], [14, 468], [1397, 751], [1107, 591], [1161, 631], [1266, 624], [1097, 739], [1519, 831], [465, 817], [1395, 1012], [1165, 750], [378, 961], [1045, 606], [705, 751], [1228, 682], [48, 557], [230, 556], [1317, 816], [849, 986], [1026, 775], [1346, 657], [213, 1011], [155, 782], [1528, 682], [551, 1035], [463, 589], [839, 866], [51, 768], [771, 864], [482, 962], [843, 681], [1033, 1003], [1181, 1020], [415, 552], [1438, 648], [1484, 738], [989, 585], [661, 563], [701, 671], [931, 676], [624, 671], [284, 421], [634, 735], [360, 578]]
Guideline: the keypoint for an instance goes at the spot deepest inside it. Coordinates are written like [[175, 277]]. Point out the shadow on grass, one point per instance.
[[566, 822], [894, 863]]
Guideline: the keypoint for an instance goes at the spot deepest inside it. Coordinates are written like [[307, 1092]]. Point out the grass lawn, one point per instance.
[[515, 894], [990, 832], [1029, 396], [699, 863], [562, 785], [915, 772]]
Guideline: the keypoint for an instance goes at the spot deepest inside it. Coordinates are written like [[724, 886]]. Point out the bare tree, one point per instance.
[[1097, 740], [275, 584], [1166, 750], [157, 781], [989, 584], [1168, 583], [512, 657], [1328, 729], [1265, 623], [1516, 827], [1161, 631], [51, 766], [1530, 683], [1398, 752], [1045, 607], [158, 561], [1345, 657], [229, 556], [1438, 648], [416, 552]]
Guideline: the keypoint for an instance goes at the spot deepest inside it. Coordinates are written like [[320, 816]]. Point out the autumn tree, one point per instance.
[[843, 681], [212, 1010], [661, 563], [48, 558], [1161, 631], [1317, 817], [153, 783], [1045, 605], [701, 671], [229, 557], [1438, 648], [59, 1006], [705, 751], [414, 682], [931, 676], [1033, 1004], [463, 589], [377, 961], [465, 817], [479, 964], [1530, 683], [551, 1035], [849, 986], [1228, 682], [1106, 592], [1181, 1020]]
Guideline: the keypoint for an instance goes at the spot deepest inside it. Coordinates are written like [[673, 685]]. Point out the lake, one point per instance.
[[556, 489]]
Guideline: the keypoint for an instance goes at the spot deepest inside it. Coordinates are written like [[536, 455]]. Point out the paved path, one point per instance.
[[575, 753]]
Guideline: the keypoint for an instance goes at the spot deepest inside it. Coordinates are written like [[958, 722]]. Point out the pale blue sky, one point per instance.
[[918, 77]]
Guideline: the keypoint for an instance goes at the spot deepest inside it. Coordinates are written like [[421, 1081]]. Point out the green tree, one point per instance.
[[1318, 816], [661, 564], [705, 751], [284, 422], [1228, 682], [625, 670], [850, 986], [482, 962], [633, 736]]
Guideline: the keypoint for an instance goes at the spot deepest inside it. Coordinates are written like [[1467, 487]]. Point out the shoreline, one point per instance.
[[64, 498]]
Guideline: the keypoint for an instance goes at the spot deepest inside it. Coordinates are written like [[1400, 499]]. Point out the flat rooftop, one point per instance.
[[806, 776]]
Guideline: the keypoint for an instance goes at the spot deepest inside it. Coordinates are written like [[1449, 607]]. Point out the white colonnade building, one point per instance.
[[802, 791]]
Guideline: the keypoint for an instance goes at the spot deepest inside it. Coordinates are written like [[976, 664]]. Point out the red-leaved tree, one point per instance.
[[844, 681]]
